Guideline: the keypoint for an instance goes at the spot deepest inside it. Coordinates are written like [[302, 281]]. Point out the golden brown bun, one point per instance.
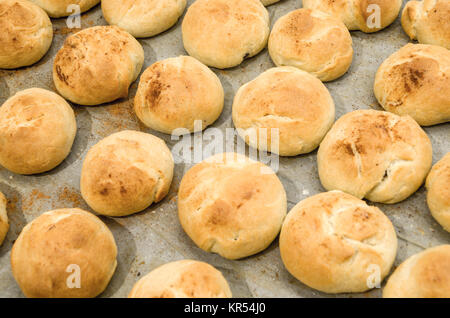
[[414, 81], [231, 205], [357, 13], [288, 99], [268, 2], [44, 255], [126, 172], [37, 130], [182, 279], [423, 275], [4, 224], [312, 41], [97, 65], [176, 92], [438, 197], [26, 33], [333, 241], [375, 155], [143, 18], [59, 8], [428, 21], [222, 33]]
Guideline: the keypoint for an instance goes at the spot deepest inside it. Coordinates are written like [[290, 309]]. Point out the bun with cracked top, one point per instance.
[[222, 33], [97, 65], [176, 92], [231, 205], [143, 18], [126, 172], [375, 155], [333, 242], [428, 21], [37, 131], [182, 279], [59, 245], [26, 33], [414, 81], [290, 100], [362, 15], [423, 275], [312, 41]]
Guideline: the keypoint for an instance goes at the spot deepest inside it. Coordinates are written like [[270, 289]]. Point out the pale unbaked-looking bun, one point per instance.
[[37, 130], [231, 205], [143, 18], [312, 41], [182, 279], [375, 155], [222, 33], [4, 224], [176, 92], [423, 275], [438, 196], [97, 65], [290, 100], [415, 81], [58, 246], [26, 33], [428, 21], [62, 8], [126, 172], [334, 242], [367, 16]]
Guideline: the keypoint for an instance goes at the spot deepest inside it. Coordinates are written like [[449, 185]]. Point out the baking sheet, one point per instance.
[[154, 237]]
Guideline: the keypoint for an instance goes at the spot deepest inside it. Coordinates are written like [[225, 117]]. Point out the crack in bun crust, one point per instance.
[[414, 81], [375, 155], [97, 65], [47, 246], [126, 172], [222, 33], [332, 241], [231, 205], [26, 33]]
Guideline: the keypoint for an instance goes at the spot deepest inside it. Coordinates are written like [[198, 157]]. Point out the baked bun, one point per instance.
[[375, 155], [4, 224], [59, 245], [37, 130], [269, 2], [143, 18], [414, 81], [176, 92], [290, 100], [334, 242], [438, 196], [312, 41], [359, 14], [231, 205], [182, 279], [26, 33], [60, 8], [428, 21], [126, 172], [97, 65], [222, 33], [423, 275]]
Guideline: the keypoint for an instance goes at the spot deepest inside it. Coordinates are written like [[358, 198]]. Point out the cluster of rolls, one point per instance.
[[229, 204]]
